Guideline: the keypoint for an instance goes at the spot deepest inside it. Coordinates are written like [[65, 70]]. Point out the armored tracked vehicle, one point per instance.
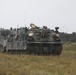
[[34, 40]]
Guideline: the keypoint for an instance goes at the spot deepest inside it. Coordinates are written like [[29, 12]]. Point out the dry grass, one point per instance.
[[65, 64]]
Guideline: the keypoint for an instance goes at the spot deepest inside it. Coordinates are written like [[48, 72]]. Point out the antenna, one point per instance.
[[24, 19], [17, 25]]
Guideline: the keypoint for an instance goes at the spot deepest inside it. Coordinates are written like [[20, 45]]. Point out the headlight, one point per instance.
[[30, 34], [57, 35]]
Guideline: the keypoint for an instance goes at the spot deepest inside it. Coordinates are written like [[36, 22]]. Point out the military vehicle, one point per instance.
[[34, 40], [3, 36]]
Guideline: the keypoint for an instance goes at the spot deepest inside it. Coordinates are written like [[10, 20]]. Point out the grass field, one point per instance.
[[65, 64]]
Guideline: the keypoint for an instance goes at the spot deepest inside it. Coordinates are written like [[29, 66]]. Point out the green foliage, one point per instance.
[[69, 47]]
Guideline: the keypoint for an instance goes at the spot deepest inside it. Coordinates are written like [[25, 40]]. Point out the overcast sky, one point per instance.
[[49, 13]]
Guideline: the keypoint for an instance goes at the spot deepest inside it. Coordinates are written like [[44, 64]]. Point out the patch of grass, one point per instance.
[[65, 64]]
